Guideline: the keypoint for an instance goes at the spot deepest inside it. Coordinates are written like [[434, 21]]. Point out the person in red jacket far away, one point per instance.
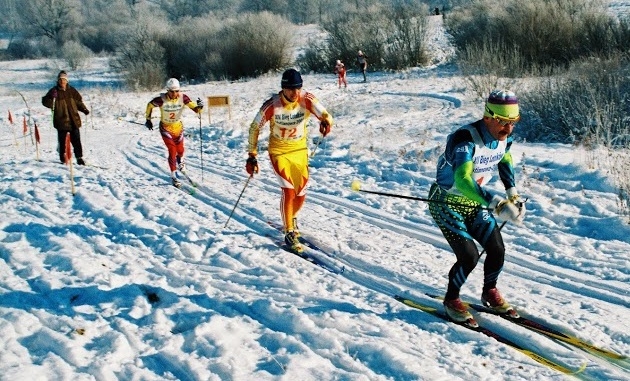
[[340, 70]]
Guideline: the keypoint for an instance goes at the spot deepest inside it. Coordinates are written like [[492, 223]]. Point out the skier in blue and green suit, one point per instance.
[[464, 210]]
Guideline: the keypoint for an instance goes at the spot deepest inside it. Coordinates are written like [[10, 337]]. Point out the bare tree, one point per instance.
[[55, 19], [10, 19]]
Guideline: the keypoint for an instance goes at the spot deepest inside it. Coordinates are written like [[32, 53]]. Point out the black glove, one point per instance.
[[199, 105], [251, 165], [86, 112], [324, 127], [149, 124]]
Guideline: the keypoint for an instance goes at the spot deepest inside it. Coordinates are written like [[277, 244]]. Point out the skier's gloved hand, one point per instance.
[[86, 112], [324, 127], [54, 93], [149, 124], [506, 210], [517, 200], [199, 105], [251, 165]]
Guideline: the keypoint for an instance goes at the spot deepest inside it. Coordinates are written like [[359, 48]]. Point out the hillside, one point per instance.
[[132, 279]]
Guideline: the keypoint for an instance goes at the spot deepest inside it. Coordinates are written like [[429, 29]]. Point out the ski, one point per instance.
[[190, 181], [191, 190], [303, 240], [96, 166], [89, 165], [490, 333], [309, 257], [546, 330], [193, 186]]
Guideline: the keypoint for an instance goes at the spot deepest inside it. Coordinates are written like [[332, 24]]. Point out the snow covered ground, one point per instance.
[[132, 279]]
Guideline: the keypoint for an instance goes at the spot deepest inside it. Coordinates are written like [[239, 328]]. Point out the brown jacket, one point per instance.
[[66, 105]]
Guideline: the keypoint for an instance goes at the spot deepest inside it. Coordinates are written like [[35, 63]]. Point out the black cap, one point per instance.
[[291, 79]]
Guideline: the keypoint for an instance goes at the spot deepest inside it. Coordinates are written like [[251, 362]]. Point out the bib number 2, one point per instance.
[[288, 133]]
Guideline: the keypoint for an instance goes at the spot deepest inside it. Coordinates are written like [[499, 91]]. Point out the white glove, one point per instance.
[[508, 210], [518, 201]]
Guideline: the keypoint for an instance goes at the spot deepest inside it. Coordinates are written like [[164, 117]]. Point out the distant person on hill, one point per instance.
[[340, 70], [462, 207], [66, 102], [171, 106], [362, 62], [288, 114]]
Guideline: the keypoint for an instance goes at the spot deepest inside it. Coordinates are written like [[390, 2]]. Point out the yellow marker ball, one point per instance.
[[356, 185]]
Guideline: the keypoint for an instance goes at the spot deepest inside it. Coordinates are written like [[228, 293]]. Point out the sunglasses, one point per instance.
[[501, 120], [173, 91], [504, 122]]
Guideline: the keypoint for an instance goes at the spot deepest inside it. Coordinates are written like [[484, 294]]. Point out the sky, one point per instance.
[[133, 279]]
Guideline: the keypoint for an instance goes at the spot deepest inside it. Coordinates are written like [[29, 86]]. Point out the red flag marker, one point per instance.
[[36, 134], [68, 151], [10, 117]]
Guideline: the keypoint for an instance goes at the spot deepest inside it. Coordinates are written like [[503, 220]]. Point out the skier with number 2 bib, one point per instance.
[[171, 105]]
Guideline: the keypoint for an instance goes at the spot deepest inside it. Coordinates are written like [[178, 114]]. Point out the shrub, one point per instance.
[[365, 30], [104, 21], [30, 48], [254, 44], [141, 59], [588, 105], [315, 57], [405, 44], [187, 45], [619, 164], [75, 54], [535, 37], [391, 35]]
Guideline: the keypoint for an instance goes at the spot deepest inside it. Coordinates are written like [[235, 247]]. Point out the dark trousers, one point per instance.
[[462, 221], [75, 139]]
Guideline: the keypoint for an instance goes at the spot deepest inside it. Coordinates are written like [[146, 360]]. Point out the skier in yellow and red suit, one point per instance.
[[288, 113], [171, 106]]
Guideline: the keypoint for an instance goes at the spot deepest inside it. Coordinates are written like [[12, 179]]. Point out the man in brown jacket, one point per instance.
[[65, 103]]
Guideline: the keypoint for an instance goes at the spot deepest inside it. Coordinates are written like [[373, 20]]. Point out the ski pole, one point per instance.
[[201, 147], [356, 186], [237, 201], [28, 108], [316, 146], [500, 227]]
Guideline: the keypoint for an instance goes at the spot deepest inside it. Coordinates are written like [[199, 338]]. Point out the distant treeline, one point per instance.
[[575, 50], [572, 54], [196, 39]]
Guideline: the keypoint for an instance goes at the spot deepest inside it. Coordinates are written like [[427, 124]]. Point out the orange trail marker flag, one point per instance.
[[12, 130], [25, 129], [36, 140], [37, 134], [68, 157], [68, 152]]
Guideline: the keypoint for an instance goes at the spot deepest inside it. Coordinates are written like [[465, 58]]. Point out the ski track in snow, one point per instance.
[[138, 185]]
